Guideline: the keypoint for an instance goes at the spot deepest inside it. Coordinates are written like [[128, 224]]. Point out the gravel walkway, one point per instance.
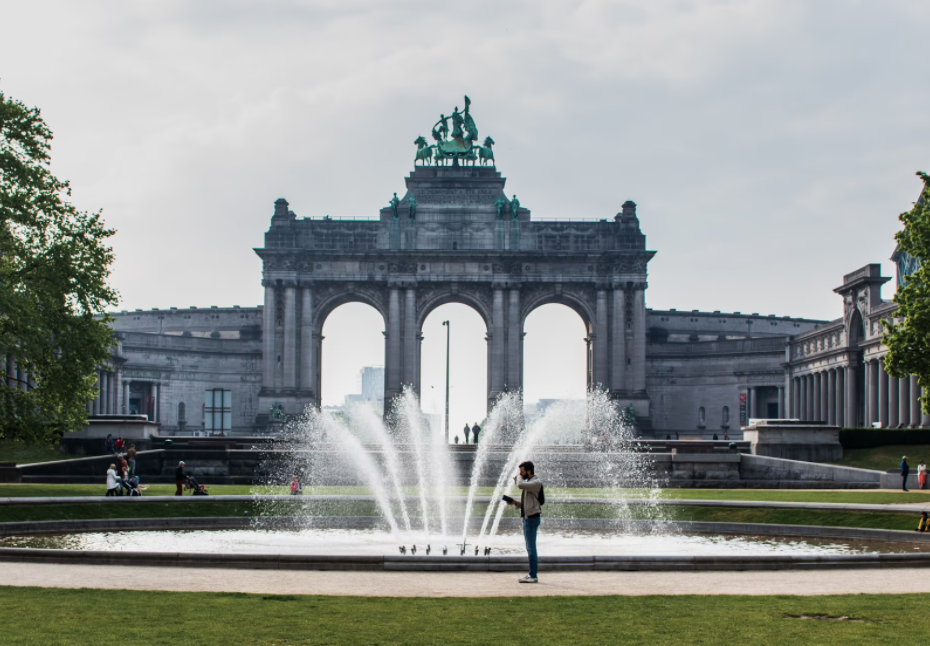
[[464, 584]]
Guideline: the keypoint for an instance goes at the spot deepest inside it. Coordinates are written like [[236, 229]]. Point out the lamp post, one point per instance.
[[448, 337]]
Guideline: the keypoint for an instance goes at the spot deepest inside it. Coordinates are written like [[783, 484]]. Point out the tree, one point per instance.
[[908, 340], [54, 265]]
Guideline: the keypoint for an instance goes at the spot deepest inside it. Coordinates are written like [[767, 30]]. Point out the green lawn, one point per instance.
[[22, 453], [784, 495], [60, 617], [882, 458]]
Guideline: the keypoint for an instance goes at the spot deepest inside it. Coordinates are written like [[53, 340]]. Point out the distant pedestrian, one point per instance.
[[905, 471], [119, 444], [531, 500], [112, 481], [296, 489], [923, 525], [122, 465], [131, 458], [921, 474], [467, 430], [109, 447], [124, 480], [715, 436], [474, 432], [456, 439], [180, 478]]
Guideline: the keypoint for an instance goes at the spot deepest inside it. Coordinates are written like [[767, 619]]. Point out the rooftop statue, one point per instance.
[[412, 207], [460, 146], [514, 207], [394, 202]]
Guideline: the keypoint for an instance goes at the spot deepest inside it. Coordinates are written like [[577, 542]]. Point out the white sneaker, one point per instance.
[[529, 579]]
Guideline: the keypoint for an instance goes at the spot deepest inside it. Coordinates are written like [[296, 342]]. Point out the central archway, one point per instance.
[[468, 366], [556, 356]]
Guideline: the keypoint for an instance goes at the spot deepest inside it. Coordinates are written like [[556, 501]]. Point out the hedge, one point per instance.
[[867, 438]]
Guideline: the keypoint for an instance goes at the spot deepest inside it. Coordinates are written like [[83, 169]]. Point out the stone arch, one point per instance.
[[328, 301], [431, 301], [572, 301]]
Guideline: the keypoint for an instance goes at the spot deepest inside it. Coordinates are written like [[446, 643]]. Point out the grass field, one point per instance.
[[882, 458], [62, 617], [22, 453], [784, 495]]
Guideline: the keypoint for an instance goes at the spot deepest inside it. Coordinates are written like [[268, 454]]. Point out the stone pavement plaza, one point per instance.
[[464, 584]]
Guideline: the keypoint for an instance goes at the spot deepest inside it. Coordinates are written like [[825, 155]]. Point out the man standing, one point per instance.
[[131, 458], [474, 432], [467, 431], [530, 506], [179, 478], [905, 470]]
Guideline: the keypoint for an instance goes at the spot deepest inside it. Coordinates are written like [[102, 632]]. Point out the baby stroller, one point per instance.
[[134, 489], [197, 488]]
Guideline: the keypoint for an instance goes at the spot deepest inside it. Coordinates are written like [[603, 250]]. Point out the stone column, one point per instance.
[[873, 392], [915, 402], [830, 417], [514, 342], [411, 346], [840, 397], [126, 397], [851, 418], [924, 418], [824, 395], [95, 409], [811, 396], [781, 403], [268, 335], [496, 352], [601, 338], [156, 407], [639, 339], [904, 402], [104, 392], [751, 403], [893, 402], [289, 353], [307, 350], [818, 396], [882, 394], [392, 363], [618, 344]]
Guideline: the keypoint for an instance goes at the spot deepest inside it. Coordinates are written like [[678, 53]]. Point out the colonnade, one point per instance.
[[107, 400], [832, 396], [17, 377], [294, 313]]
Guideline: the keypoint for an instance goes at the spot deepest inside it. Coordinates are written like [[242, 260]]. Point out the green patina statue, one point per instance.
[[412, 207], [500, 204], [394, 202], [514, 207], [277, 411], [461, 146]]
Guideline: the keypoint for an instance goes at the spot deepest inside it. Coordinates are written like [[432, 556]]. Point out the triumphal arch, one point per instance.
[[454, 236]]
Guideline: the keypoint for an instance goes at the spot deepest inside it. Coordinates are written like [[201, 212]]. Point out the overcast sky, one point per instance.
[[770, 145]]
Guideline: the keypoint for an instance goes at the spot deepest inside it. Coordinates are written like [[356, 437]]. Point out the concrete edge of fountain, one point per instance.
[[464, 563], [909, 508]]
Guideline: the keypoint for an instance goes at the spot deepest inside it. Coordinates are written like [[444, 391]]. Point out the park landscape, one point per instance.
[[212, 474]]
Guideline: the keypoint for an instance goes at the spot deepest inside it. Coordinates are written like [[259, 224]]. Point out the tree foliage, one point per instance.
[[908, 339], [54, 264]]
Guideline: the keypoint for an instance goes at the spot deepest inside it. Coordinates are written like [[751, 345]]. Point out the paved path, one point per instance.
[[464, 584]]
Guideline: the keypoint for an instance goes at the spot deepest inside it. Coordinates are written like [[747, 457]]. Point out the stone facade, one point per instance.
[[464, 241]]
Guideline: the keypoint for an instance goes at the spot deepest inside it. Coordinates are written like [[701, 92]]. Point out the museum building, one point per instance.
[[454, 236]]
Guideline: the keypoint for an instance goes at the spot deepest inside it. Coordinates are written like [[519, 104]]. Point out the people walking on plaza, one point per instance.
[[131, 459], [456, 439], [124, 480], [109, 446], [467, 430], [180, 478], [921, 474], [296, 489], [112, 481], [474, 432], [905, 471], [532, 498], [119, 444]]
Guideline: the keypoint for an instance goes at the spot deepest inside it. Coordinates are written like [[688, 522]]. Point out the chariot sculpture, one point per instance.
[[455, 146]]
